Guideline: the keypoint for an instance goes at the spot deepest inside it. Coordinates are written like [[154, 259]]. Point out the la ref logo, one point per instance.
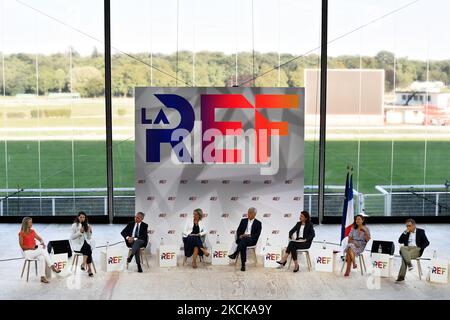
[[219, 254], [115, 260], [439, 270], [379, 264], [272, 256], [197, 141], [168, 255], [323, 260], [59, 265]]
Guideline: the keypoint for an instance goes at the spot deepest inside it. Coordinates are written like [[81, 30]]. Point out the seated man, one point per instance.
[[415, 241], [136, 237], [247, 235]]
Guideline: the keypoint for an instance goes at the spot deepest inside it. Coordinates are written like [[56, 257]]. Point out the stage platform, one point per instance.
[[218, 282]]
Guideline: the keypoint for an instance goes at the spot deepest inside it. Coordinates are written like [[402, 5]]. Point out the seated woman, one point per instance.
[[81, 240], [357, 240], [27, 241], [192, 237], [304, 235]]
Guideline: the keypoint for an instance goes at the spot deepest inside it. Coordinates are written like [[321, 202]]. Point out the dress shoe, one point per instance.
[[243, 268], [232, 256], [399, 279], [281, 263], [139, 268], [129, 259], [296, 269]]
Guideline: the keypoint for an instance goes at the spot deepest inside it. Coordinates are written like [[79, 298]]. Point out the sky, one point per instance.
[[419, 30]]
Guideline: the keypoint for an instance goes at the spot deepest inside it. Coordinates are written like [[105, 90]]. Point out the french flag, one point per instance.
[[347, 214]]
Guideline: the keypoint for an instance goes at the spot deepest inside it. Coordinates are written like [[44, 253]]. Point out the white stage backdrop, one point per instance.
[[222, 150]]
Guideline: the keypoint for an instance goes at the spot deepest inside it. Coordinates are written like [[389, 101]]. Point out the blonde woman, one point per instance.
[[27, 241], [193, 233]]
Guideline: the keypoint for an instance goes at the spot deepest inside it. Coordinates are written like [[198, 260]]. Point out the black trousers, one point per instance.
[[136, 249], [242, 245], [293, 246], [86, 250]]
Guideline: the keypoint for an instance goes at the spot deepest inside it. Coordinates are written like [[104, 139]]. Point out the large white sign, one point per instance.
[[168, 256], [323, 259], [272, 254], [222, 150], [60, 262], [113, 259], [219, 254], [439, 270], [381, 264]]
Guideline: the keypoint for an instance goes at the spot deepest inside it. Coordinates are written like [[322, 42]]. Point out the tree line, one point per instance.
[[57, 73]]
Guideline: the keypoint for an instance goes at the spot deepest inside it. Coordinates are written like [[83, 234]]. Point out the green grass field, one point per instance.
[[88, 165]]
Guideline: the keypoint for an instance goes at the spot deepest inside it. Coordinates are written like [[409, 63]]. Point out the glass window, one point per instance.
[[393, 149], [210, 43], [52, 108], [52, 137]]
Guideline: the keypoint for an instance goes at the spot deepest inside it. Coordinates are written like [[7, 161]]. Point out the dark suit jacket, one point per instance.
[[421, 239], [255, 232], [308, 232], [128, 232]]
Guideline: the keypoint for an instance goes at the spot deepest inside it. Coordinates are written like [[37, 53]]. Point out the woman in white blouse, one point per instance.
[[81, 240], [193, 235]]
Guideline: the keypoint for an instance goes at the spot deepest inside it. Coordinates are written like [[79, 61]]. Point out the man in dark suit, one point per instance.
[[415, 241], [136, 237], [247, 235]]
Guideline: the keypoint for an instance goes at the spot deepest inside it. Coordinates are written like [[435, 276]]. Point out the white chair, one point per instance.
[[362, 263], [307, 258], [27, 263], [75, 257], [419, 268], [143, 255]]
